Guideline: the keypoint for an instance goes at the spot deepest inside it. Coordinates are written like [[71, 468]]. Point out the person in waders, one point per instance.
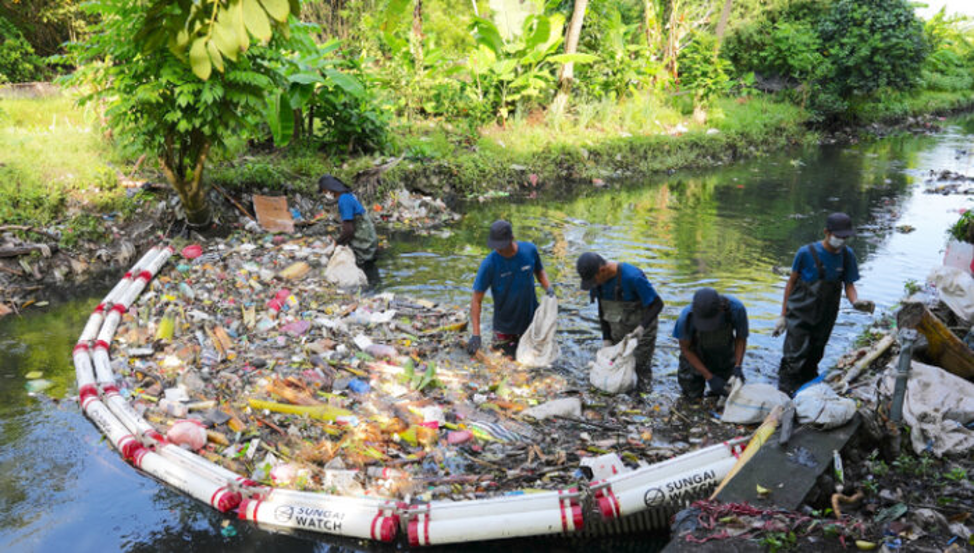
[[627, 304], [820, 272], [712, 332], [509, 272], [357, 229]]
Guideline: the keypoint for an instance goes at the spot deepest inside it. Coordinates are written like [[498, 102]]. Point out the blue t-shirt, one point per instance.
[[684, 328], [804, 264], [349, 206], [635, 286], [511, 284]]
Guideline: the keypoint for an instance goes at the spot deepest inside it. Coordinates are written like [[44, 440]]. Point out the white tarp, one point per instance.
[[343, 272], [956, 288], [937, 406], [538, 347], [748, 404], [614, 368]]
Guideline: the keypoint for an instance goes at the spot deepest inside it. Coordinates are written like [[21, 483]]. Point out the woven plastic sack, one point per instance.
[[538, 347], [342, 271], [614, 368], [748, 404], [820, 405], [956, 288]]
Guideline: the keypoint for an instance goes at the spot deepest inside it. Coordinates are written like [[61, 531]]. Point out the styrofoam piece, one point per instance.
[[323, 513]]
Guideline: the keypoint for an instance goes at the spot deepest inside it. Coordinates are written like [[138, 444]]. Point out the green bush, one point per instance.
[[702, 70], [18, 62]]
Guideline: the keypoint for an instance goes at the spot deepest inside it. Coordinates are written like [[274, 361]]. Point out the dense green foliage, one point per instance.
[[18, 61]]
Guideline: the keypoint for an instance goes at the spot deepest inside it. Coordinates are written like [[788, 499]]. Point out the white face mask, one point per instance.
[[836, 242]]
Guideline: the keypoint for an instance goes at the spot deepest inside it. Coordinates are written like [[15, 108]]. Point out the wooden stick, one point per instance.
[[853, 373], [943, 347], [14, 251], [29, 229], [232, 201]]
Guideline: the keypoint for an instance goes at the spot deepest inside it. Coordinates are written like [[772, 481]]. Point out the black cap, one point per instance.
[[706, 310], [501, 235], [588, 265], [840, 225], [332, 183]]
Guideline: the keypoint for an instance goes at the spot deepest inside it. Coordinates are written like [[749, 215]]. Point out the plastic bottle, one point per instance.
[[173, 408]]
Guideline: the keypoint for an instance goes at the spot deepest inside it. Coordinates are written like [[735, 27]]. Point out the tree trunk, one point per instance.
[[189, 187], [567, 73], [416, 38], [724, 17], [944, 349]]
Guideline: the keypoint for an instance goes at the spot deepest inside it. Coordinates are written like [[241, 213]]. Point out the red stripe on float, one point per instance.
[[413, 530], [109, 389], [242, 508], [426, 528], [615, 502], [564, 517], [99, 308], [578, 519], [138, 456], [120, 308], [80, 346], [145, 276], [388, 530], [101, 344], [375, 520], [128, 275]]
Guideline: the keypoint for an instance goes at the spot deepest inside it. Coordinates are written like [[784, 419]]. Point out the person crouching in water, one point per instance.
[[357, 229], [712, 332]]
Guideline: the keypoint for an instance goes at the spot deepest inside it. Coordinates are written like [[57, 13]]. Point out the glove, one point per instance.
[[474, 345], [779, 326], [550, 291], [718, 385], [739, 373], [606, 343], [864, 306], [638, 331]]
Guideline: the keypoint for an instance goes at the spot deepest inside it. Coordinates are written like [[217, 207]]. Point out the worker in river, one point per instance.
[[627, 304], [509, 272], [820, 272], [712, 332], [357, 229]]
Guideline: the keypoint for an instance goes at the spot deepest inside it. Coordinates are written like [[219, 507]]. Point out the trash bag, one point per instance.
[[820, 405], [752, 403], [937, 406], [538, 347], [188, 434], [564, 407], [342, 271], [956, 288], [614, 368]]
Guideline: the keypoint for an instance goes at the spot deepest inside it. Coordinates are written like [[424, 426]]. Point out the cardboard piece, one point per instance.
[[272, 214]]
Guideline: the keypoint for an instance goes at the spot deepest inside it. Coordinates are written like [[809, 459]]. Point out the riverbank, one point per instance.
[[93, 203]]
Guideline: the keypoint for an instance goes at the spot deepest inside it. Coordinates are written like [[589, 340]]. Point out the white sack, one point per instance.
[[538, 347], [614, 368], [956, 289], [342, 271], [566, 407], [820, 405], [937, 405], [748, 404]]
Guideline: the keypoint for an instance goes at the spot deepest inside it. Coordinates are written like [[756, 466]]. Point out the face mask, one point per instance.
[[836, 242]]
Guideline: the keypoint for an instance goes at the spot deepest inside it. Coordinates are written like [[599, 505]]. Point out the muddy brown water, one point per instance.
[[62, 488]]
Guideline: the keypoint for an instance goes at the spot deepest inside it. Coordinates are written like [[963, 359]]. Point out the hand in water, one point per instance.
[[474, 345], [779, 326], [867, 306]]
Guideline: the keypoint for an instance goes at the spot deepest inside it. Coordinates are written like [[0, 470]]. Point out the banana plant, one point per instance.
[[512, 72]]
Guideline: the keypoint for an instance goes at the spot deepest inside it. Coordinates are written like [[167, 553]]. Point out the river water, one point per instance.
[[734, 228]]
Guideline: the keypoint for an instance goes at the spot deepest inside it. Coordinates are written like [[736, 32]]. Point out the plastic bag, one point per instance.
[[820, 405], [752, 403], [956, 288], [571, 407], [342, 271], [614, 368], [538, 347], [187, 433]]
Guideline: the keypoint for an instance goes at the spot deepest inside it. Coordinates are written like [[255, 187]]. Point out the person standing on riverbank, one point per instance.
[[712, 332], [820, 272], [357, 228], [509, 272], [627, 304]]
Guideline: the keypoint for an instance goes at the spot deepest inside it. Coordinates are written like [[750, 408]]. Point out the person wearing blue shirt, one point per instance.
[[628, 304], [820, 272], [358, 232], [508, 272], [712, 332]]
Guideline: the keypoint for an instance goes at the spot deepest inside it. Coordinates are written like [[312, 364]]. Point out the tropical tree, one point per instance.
[[152, 67]]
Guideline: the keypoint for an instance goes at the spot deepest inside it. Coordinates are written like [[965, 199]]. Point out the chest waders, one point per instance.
[[810, 314], [623, 317], [715, 349], [364, 241]]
